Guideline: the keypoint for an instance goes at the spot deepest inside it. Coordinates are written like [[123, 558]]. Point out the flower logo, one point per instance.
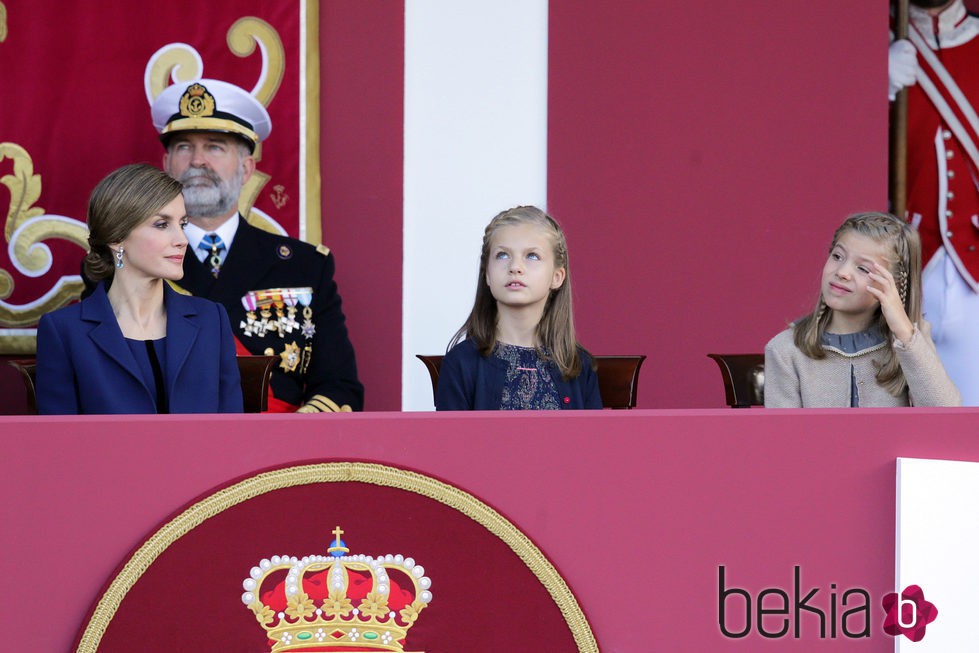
[[908, 614]]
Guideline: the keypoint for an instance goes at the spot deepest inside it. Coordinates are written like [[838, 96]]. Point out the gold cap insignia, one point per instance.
[[196, 102]]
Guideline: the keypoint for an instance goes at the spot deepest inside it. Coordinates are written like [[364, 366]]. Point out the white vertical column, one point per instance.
[[475, 144]]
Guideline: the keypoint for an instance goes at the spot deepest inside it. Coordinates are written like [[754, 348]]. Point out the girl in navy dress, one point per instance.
[[137, 346], [517, 350]]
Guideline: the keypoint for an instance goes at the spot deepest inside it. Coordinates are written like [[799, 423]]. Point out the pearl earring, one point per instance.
[[119, 262]]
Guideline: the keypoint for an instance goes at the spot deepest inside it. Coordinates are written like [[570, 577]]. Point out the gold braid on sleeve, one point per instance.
[[323, 404]]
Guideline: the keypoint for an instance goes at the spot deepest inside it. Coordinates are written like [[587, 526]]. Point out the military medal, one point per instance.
[[280, 316], [212, 244], [305, 298], [307, 357], [215, 258], [215, 262], [284, 302], [291, 357], [267, 324], [288, 322], [249, 325]]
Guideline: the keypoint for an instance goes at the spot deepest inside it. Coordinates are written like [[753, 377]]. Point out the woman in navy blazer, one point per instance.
[[137, 346]]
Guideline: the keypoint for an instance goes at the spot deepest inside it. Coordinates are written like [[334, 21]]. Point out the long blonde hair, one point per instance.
[[905, 257], [555, 331]]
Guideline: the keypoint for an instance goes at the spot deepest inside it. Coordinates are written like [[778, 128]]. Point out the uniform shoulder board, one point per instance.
[[177, 288], [323, 249]]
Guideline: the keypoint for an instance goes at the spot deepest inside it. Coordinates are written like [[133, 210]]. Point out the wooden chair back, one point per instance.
[[618, 380], [27, 369], [744, 378], [255, 372], [618, 377]]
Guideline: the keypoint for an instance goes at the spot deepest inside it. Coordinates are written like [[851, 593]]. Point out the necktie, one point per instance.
[[213, 244]]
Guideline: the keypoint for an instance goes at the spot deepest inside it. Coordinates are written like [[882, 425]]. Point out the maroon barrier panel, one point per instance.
[[640, 513]]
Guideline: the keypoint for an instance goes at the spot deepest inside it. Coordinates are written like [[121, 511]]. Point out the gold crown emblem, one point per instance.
[[337, 602], [196, 102]]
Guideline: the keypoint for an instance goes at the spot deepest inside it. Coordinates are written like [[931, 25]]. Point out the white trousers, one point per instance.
[[952, 309]]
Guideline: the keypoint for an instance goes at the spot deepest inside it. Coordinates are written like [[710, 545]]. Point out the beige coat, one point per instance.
[[793, 380]]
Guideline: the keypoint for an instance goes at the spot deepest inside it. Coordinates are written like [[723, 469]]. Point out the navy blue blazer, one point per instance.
[[259, 260], [85, 366], [471, 381]]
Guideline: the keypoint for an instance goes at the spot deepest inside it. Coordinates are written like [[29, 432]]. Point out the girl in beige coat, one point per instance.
[[866, 343]]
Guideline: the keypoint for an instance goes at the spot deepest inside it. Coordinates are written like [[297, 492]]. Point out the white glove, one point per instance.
[[902, 65]]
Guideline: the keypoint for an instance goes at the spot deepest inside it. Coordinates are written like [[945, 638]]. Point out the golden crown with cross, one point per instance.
[[337, 602]]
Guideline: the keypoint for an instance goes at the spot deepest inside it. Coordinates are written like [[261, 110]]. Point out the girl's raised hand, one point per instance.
[[884, 288]]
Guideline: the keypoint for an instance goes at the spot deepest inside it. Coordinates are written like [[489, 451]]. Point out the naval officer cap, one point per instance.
[[210, 105]]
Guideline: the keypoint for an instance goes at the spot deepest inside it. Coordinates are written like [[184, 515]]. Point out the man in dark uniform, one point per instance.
[[279, 292]]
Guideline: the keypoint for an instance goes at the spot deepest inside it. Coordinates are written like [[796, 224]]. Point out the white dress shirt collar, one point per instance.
[[226, 232]]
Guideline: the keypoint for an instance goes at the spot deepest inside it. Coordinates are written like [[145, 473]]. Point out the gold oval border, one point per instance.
[[338, 472]]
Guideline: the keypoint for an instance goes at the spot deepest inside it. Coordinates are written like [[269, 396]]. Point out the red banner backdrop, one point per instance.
[[77, 79]]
